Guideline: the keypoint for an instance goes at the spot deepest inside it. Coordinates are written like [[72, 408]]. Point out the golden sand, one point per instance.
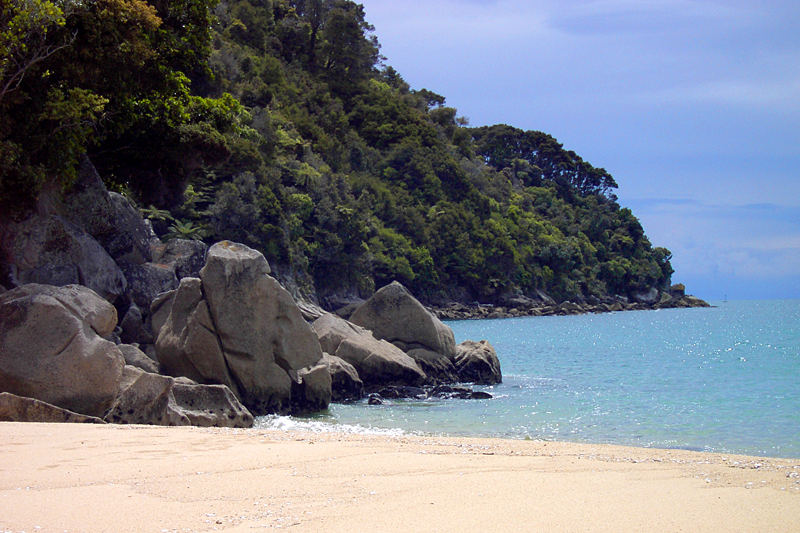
[[73, 477]]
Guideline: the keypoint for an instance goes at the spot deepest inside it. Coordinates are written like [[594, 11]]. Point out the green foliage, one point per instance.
[[273, 123]]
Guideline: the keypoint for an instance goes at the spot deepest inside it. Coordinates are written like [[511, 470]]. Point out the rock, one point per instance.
[[185, 257], [210, 405], [147, 398], [309, 310], [678, 290], [480, 395], [50, 250], [51, 347], [133, 327], [397, 392], [148, 280], [649, 297], [393, 314], [144, 398], [135, 357], [108, 217], [346, 385], [159, 310], [376, 361], [375, 399], [187, 344], [477, 362], [2, 289], [15, 408], [311, 391], [238, 327]]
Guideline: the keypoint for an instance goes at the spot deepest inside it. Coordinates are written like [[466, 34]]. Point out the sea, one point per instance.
[[720, 379]]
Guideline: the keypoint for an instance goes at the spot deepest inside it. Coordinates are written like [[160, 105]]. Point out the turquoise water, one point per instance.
[[722, 379]]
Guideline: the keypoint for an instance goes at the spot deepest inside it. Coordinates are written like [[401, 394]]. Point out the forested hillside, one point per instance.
[[278, 124]]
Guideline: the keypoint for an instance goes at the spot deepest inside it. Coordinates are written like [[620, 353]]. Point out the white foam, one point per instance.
[[289, 423]]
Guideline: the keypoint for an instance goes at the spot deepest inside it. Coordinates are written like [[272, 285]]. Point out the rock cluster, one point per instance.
[[393, 341], [55, 365], [101, 321]]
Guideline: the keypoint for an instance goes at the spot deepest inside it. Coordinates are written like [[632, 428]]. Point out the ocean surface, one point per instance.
[[724, 379]]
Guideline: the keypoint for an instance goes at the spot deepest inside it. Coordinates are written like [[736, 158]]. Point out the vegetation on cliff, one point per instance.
[[277, 124]]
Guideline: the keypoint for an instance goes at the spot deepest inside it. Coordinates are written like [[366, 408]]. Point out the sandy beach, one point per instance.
[[72, 477]]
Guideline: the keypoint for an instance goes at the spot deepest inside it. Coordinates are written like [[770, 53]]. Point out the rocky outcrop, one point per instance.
[[53, 251], [346, 385], [52, 347], [15, 408], [394, 315], [237, 326], [147, 398], [377, 362], [477, 362]]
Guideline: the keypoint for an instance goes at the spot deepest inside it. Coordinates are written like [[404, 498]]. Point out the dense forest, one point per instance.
[[278, 124]]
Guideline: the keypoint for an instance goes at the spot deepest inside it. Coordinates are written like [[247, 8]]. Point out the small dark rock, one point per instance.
[[375, 399]]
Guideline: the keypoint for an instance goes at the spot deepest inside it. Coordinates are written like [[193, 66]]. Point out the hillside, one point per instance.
[[278, 124]]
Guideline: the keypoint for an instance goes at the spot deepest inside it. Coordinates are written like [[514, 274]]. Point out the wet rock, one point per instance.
[[477, 362], [346, 385]]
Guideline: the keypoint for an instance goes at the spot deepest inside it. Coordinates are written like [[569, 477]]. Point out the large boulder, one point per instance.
[[477, 362], [377, 362], [15, 408], [52, 347], [346, 385], [237, 326], [147, 398], [48, 249], [393, 314]]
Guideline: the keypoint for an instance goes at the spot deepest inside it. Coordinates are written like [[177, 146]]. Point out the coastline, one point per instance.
[[460, 311], [77, 477]]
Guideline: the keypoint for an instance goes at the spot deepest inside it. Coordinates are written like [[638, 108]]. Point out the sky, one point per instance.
[[692, 106]]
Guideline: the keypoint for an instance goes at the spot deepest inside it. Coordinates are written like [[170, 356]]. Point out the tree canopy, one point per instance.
[[277, 124]]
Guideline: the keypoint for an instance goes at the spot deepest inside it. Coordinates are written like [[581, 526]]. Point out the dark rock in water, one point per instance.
[[477, 362], [375, 399], [398, 392], [15, 408], [480, 395], [393, 314], [448, 392], [346, 385], [52, 347]]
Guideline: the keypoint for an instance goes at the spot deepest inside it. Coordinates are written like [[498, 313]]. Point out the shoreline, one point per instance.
[[76, 477], [460, 311]]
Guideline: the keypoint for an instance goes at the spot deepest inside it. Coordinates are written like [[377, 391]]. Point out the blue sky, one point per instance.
[[692, 106]]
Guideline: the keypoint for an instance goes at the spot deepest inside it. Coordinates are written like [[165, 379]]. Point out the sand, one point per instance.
[[75, 477]]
